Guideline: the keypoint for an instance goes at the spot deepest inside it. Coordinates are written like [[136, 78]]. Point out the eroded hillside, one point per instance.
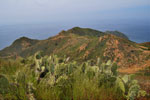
[[82, 44]]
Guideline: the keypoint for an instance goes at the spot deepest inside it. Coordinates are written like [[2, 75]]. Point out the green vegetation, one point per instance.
[[85, 32], [42, 77], [85, 73], [25, 47], [82, 44]]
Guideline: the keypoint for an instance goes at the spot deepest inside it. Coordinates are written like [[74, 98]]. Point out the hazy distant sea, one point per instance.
[[137, 31]]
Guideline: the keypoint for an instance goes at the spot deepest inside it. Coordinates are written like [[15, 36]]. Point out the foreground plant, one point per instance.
[[53, 78]]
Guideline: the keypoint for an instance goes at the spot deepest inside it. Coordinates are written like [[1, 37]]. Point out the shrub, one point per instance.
[[64, 80]]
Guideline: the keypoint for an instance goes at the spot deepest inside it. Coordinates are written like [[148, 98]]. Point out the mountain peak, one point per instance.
[[18, 46], [92, 32], [83, 32], [21, 39]]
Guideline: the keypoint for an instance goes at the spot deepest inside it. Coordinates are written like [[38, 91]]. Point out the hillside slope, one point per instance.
[[17, 47], [117, 33], [84, 44]]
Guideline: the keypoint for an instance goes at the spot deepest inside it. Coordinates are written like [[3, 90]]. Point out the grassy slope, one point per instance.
[[87, 44]]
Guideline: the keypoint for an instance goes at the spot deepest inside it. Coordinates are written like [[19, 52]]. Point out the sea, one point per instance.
[[137, 31]]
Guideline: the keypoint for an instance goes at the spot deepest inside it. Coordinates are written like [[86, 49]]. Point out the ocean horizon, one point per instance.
[[136, 31]]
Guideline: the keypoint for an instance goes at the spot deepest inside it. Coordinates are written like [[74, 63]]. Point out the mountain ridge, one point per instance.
[[82, 44]]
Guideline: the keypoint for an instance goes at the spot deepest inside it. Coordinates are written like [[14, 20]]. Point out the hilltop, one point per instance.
[[82, 44], [17, 46]]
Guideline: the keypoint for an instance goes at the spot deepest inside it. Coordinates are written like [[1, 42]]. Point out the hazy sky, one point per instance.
[[43, 18], [36, 11]]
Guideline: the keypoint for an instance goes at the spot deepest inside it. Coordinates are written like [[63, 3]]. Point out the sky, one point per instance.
[[40, 19], [39, 11]]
